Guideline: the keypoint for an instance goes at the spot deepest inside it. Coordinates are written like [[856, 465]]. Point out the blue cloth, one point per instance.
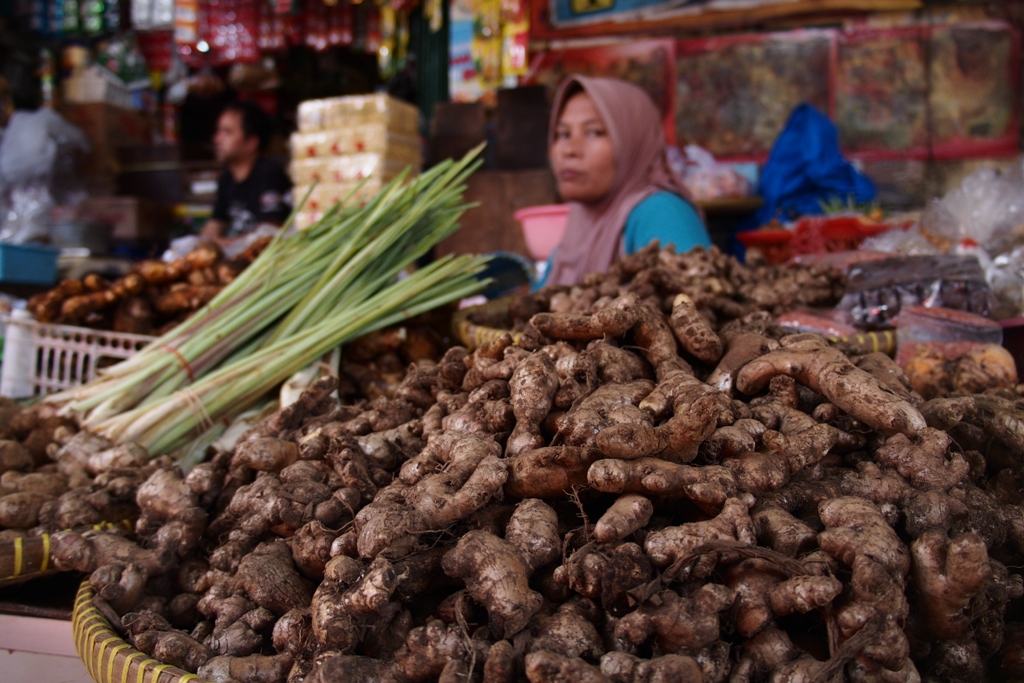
[[662, 216], [805, 167]]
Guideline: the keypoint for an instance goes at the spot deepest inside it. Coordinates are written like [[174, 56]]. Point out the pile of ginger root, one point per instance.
[[654, 484]]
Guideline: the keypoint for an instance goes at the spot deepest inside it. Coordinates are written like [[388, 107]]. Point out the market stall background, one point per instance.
[[922, 94]]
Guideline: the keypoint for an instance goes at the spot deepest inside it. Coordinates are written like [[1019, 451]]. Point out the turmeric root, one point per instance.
[[428, 649], [622, 667], [581, 426], [762, 655], [857, 535], [607, 322], [615, 365], [679, 625], [598, 572], [265, 454], [693, 332], [14, 456], [120, 585], [268, 576], [87, 552], [629, 513], [465, 483], [255, 668], [497, 578], [947, 574], [549, 472], [500, 665], [923, 462], [758, 473], [742, 349], [21, 510], [656, 340], [740, 437], [533, 386], [826, 370], [708, 486], [671, 544], [549, 667], [782, 532], [349, 595], [696, 408], [242, 637], [570, 631], [152, 634], [533, 530], [332, 666]]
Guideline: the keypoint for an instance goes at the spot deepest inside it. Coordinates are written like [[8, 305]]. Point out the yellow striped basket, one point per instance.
[[24, 558], [471, 332], [867, 342], [29, 557], [107, 657]]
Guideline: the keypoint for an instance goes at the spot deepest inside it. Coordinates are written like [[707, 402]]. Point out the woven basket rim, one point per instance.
[[472, 335], [19, 554], [109, 658]]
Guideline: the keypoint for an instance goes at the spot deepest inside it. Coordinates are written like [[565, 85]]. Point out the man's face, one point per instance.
[[229, 142]]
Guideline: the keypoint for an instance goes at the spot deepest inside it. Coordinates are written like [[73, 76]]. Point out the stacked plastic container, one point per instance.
[[343, 141]]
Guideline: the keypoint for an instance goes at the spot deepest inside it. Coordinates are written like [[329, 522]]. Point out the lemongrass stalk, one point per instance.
[[287, 298], [327, 285], [328, 328], [434, 183], [166, 364], [200, 351], [161, 437], [265, 369], [202, 320]]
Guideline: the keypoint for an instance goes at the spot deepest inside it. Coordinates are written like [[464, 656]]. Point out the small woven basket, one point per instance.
[[24, 558], [480, 324], [107, 657]]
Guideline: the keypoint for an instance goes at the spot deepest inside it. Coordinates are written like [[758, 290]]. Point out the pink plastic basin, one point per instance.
[[543, 227]]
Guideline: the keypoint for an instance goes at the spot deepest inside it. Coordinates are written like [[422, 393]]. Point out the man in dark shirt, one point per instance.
[[253, 190]]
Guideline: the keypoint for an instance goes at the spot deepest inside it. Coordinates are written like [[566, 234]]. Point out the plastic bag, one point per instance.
[[876, 291], [28, 218], [909, 242], [985, 206], [1005, 276], [704, 177], [37, 146]]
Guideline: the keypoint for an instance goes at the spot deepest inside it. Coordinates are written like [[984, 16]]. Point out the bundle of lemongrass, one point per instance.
[[305, 294]]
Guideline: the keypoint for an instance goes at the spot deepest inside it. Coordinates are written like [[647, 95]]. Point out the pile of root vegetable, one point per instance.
[[653, 484], [151, 298]]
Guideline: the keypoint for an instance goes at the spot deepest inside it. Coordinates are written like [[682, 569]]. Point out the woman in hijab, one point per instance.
[[607, 150]]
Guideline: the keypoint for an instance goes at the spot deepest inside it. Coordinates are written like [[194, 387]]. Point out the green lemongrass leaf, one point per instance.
[[305, 293], [245, 381]]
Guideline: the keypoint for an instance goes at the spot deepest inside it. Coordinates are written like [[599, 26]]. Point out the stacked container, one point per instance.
[[344, 141]]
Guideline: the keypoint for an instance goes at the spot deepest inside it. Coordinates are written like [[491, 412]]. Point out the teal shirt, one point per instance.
[[662, 216], [668, 218]]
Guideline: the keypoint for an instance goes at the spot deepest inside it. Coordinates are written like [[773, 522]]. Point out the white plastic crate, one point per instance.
[[42, 359]]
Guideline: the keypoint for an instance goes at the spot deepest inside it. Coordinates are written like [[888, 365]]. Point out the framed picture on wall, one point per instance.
[[882, 92], [649, 64], [975, 72], [734, 94], [564, 19]]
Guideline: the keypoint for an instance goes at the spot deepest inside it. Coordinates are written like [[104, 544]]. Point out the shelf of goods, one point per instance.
[[348, 148]]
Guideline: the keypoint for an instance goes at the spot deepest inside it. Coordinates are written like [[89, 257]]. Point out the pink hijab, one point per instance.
[[592, 240]]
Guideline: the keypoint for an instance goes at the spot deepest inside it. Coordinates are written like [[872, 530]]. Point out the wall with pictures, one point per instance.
[[918, 98]]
